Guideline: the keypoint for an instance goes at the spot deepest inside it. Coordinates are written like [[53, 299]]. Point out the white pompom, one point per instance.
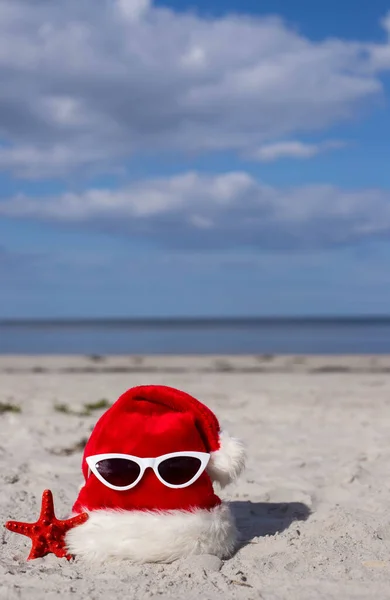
[[228, 462]]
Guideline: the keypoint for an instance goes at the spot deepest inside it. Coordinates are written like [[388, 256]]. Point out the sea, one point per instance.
[[198, 336]]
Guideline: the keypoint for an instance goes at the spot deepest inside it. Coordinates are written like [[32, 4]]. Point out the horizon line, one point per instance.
[[195, 320]]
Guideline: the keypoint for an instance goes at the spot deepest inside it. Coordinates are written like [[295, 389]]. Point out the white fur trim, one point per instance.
[[153, 536], [228, 462]]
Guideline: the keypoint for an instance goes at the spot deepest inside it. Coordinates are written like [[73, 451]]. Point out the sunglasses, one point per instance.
[[123, 471]]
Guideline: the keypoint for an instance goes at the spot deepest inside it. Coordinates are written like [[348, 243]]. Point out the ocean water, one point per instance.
[[198, 336]]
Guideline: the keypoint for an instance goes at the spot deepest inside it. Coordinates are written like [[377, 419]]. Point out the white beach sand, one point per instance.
[[313, 507]]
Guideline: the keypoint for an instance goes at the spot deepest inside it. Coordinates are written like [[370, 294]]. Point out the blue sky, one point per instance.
[[194, 158]]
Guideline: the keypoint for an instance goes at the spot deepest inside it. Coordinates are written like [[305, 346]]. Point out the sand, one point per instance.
[[312, 507]]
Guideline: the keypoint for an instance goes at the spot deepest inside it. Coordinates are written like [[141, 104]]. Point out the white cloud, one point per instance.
[[380, 53], [292, 149], [35, 162], [133, 9], [86, 87], [226, 211]]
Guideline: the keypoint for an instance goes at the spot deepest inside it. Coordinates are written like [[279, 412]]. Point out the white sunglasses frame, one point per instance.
[[143, 464]]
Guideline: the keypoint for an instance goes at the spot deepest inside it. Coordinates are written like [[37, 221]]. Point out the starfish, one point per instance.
[[48, 533]]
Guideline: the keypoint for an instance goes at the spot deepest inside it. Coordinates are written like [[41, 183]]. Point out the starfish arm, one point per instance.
[[38, 549], [47, 508], [20, 527], [67, 524]]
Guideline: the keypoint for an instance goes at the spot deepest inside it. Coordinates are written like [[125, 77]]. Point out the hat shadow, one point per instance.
[[257, 519]]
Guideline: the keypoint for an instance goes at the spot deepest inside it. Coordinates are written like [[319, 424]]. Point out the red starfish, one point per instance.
[[48, 533]]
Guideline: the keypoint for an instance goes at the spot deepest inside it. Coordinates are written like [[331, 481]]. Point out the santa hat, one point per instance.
[[152, 522]]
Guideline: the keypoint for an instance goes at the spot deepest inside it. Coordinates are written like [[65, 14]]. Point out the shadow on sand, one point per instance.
[[256, 519]]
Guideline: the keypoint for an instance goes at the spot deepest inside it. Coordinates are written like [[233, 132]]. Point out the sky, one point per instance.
[[194, 158]]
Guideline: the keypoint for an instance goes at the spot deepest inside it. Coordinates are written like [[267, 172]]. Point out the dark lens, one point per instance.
[[179, 469], [118, 471]]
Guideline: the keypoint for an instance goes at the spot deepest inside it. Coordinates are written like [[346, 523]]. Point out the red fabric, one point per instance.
[[149, 421]]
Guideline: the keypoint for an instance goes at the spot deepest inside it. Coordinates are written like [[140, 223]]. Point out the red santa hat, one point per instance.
[[152, 522]]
